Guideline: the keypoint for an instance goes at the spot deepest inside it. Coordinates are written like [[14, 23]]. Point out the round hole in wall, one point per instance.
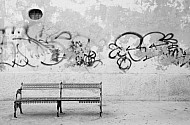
[[35, 14]]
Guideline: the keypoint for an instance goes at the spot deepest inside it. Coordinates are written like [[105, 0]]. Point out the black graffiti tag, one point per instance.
[[51, 46], [127, 50]]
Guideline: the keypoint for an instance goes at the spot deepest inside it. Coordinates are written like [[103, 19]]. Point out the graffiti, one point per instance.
[[83, 55], [132, 47], [18, 48]]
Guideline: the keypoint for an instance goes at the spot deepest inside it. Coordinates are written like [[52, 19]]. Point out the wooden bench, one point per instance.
[[59, 87]]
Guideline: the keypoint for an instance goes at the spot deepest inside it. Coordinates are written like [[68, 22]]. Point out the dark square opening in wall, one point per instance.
[[35, 14]]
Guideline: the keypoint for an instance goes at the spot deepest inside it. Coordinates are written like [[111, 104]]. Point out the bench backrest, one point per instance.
[[40, 86], [60, 86], [81, 85]]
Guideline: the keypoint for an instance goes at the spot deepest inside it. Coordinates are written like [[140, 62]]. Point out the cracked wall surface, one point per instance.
[[139, 48]]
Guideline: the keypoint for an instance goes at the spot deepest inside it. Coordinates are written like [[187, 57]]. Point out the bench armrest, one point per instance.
[[19, 91]]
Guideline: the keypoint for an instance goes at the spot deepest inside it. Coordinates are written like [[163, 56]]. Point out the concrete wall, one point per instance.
[[139, 49]]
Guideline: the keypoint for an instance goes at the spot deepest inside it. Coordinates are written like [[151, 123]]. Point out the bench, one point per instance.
[[58, 87]]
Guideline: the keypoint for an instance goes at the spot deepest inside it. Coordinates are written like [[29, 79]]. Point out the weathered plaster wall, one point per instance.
[[139, 49]]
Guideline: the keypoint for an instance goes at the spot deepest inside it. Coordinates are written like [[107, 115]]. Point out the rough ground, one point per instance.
[[114, 112]]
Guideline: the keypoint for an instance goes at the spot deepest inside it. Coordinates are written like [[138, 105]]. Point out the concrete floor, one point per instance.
[[114, 112]]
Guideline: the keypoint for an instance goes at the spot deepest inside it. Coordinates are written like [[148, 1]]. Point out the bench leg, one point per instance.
[[15, 108], [20, 107], [58, 107], [100, 109]]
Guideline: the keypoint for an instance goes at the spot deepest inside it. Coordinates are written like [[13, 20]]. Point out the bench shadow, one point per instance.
[[34, 114], [91, 115]]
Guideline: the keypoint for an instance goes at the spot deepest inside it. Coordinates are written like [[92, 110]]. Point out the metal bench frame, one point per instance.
[[58, 100]]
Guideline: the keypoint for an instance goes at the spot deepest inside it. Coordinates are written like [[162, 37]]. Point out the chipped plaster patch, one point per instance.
[[146, 40], [178, 4], [54, 17], [183, 46], [82, 6], [67, 4], [132, 5]]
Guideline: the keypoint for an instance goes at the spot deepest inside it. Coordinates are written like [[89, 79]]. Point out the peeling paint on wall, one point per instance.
[[69, 33], [138, 49]]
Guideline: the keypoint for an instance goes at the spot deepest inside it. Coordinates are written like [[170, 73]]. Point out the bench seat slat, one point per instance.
[[40, 86], [83, 85], [80, 99], [59, 99], [38, 99]]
